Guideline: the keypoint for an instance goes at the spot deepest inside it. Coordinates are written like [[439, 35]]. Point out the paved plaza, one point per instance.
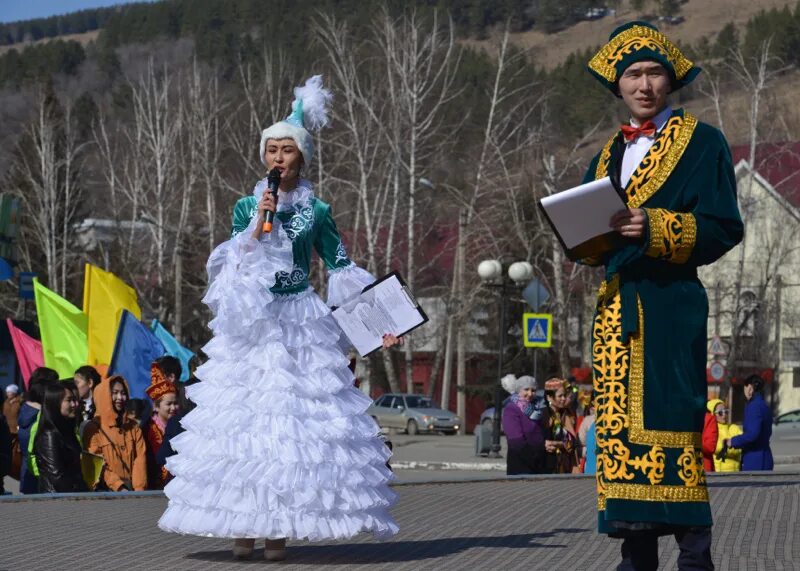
[[543, 523]]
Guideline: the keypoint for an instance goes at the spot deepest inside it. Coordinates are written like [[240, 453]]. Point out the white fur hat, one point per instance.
[[12, 389], [309, 111], [514, 384]]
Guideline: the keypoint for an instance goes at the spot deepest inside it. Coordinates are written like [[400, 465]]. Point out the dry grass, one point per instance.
[[84, 39], [780, 117], [703, 18]]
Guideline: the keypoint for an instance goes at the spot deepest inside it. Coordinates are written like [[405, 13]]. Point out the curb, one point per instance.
[[491, 466], [470, 466]]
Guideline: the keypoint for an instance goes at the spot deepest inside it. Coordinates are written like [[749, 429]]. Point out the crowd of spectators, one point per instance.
[[55, 430], [555, 434], [86, 433]]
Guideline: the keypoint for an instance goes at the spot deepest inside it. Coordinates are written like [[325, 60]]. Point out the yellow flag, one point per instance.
[[63, 329], [104, 298]]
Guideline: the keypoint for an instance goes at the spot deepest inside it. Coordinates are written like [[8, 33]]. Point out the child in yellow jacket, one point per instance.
[[733, 457]]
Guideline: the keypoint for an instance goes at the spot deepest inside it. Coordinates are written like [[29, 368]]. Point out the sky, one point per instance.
[[14, 10]]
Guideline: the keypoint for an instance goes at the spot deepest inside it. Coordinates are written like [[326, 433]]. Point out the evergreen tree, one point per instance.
[[727, 41]]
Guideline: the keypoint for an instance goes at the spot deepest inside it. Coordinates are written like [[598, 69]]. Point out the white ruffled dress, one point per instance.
[[279, 444]]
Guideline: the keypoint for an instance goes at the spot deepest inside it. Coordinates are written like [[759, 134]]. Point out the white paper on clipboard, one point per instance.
[[386, 307]]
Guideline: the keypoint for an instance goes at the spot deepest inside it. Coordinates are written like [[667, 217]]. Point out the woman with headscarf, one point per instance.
[[174, 428], [57, 448], [561, 441], [279, 446], [754, 441], [164, 395], [725, 459], [521, 424], [116, 438]]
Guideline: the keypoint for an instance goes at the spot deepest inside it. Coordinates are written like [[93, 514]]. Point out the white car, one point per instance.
[[787, 426], [413, 413]]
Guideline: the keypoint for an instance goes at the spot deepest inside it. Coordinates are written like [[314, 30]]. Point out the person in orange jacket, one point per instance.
[[116, 438]]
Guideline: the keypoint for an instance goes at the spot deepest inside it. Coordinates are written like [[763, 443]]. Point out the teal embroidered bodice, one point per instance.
[[309, 225]]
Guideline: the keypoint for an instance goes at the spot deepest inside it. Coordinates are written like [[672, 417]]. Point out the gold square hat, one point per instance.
[[640, 41]]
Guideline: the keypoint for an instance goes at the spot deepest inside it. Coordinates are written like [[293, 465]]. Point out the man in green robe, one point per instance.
[[649, 332]]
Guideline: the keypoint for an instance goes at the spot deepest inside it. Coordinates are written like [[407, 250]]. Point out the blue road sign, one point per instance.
[[538, 328], [26, 285]]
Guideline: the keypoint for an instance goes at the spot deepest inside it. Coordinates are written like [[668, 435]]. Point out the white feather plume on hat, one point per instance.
[[309, 113]]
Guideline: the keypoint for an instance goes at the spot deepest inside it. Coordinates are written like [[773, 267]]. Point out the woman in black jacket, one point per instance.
[[57, 448]]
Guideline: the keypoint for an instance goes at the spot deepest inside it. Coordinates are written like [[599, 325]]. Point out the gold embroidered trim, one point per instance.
[[658, 163], [637, 433], [691, 470], [661, 159], [672, 235], [655, 220], [620, 407], [605, 157], [688, 239], [647, 493], [633, 39]]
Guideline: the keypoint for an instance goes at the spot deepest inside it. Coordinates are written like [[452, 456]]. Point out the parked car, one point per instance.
[[672, 20], [487, 418], [413, 413], [787, 426], [595, 13]]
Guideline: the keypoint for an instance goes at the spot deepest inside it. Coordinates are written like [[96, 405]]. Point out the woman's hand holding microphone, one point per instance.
[[265, 204]]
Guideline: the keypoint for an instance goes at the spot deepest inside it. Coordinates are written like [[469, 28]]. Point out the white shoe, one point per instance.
[[243, 548]]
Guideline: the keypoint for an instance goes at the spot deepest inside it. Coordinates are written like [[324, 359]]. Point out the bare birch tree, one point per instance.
[[421, 59], [46, 178], [360, 147], [754, 74]]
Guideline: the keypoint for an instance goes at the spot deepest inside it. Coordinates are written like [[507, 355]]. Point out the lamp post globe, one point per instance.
[[490, 270], [520, 272]]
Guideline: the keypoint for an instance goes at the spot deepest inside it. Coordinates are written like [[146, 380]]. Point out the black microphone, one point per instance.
[[273, 181]]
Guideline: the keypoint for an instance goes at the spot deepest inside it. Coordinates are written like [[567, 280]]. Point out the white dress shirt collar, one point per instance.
[[660, 119]]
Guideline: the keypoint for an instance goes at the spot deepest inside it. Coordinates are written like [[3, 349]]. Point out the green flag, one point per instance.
[[63, 329]]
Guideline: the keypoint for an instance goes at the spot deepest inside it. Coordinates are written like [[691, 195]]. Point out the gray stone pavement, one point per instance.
[[527, 524]]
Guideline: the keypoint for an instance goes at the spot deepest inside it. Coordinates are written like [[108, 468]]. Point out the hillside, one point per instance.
[[703, 18], [83, 38]]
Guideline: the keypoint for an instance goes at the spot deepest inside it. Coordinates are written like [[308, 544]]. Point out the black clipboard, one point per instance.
[[408, 294]]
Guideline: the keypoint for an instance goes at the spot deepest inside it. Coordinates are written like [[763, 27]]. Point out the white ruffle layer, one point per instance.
[[279, 445], [240, 273]]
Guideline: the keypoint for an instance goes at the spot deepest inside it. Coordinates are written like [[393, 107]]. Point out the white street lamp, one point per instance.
[[490, 270], [491, 273], [520, 272]]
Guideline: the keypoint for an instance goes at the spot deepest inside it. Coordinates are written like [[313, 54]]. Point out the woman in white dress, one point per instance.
[[279, 446]]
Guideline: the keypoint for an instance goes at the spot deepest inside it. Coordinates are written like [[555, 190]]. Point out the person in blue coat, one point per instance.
[[754, 443]]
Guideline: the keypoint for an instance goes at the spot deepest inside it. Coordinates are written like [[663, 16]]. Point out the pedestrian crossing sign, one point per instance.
[[538, 328]]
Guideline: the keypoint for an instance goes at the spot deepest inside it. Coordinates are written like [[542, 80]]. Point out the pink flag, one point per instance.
[[29, 351]]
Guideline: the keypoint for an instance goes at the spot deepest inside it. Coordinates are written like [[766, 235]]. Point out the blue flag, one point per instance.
[[173, 348], [136, 347]]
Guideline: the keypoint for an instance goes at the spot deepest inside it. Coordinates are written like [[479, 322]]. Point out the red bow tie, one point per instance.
[[647, 129]]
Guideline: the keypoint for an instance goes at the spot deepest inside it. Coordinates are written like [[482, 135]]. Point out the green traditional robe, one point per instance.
[[649, 332]]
